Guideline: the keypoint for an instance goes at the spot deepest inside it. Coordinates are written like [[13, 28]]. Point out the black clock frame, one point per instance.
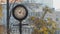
[[13, 10]]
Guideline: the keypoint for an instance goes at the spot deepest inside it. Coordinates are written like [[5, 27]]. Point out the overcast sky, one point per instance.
[[56, 4]]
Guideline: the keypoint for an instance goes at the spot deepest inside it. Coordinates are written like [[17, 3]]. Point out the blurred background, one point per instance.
[[35, 10]]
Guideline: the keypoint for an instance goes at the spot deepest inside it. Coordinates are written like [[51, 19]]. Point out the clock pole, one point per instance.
[[20, 27]]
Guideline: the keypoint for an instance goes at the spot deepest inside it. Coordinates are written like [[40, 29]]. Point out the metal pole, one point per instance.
[[20, 27], [8, 32]]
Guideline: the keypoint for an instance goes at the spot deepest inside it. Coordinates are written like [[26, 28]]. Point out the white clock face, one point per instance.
[[20, 12]]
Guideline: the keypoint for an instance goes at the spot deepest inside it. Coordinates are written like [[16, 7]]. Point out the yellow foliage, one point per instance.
[[45, 32], [40, 26], [1, 12]]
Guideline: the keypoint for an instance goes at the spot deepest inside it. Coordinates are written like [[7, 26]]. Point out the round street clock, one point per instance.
[[20, 12]]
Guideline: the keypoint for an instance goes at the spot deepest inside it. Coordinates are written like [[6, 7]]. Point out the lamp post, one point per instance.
[[8, 17]]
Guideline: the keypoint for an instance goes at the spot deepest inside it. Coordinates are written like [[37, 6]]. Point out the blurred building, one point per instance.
[[45, 2]]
